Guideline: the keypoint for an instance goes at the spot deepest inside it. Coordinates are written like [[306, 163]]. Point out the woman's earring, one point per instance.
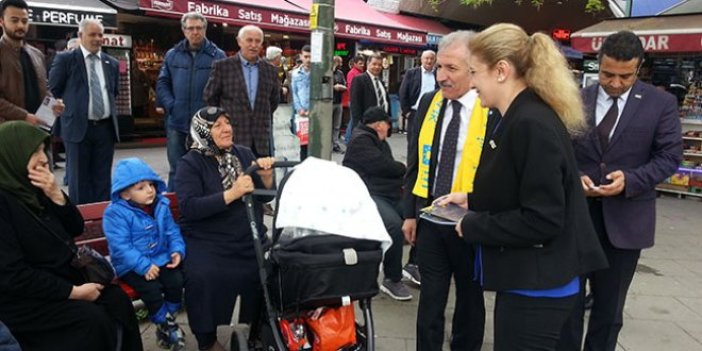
[[500, 79]]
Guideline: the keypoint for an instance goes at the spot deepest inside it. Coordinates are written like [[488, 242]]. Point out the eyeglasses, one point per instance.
[[194, 28]]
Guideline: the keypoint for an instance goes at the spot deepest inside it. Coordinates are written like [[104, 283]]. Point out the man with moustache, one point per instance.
[[182, 79], [22, 70], [444, 153], [247, 87], [87, 80]]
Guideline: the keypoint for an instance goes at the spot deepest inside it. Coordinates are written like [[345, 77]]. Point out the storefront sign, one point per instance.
[[376, 33], [69, 18], [117, 41], [269, 18], [399, 50], [433, 39], [651, 43]]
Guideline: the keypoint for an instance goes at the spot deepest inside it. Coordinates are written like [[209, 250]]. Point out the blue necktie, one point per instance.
[[447, 160], [95, 89]]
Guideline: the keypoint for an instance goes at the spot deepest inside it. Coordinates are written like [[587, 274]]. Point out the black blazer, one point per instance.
[[363, 96], [411, 87], [412, 203], [531, 217]]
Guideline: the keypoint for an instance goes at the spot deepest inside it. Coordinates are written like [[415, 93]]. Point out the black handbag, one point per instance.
[[93, 266]]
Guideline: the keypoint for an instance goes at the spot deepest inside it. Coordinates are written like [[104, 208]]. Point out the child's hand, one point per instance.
[[152, 273], [175, 260]]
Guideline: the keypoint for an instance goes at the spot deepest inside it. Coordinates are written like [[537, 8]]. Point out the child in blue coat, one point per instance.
[[146, 247]]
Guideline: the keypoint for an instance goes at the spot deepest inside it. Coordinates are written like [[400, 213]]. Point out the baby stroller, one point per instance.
[[327, 244]]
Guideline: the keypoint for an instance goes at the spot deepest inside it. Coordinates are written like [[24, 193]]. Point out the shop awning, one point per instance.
[[358, 20], [267, 14], [58, 13], [665, 34], [434, 29]]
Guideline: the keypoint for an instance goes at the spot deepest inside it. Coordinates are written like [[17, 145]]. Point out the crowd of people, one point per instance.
[[553, 182]]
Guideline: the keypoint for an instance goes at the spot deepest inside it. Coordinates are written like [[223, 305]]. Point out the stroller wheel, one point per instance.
[[238, 341]]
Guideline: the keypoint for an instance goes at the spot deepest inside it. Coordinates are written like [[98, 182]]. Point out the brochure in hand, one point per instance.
[[45, 113], [445, 215]]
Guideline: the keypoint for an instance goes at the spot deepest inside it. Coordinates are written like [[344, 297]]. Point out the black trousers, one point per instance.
[[442, 255], [168, 286], [609, 288], [529, 323], [89, 164], [80, 325]]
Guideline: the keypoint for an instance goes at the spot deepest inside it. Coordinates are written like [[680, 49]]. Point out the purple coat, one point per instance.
[[647, 147]]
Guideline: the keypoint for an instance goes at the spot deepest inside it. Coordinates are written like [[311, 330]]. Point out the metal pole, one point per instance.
[[321, 79]]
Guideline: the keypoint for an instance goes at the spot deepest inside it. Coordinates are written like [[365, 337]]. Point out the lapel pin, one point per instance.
[[638, 96], [492, 144]]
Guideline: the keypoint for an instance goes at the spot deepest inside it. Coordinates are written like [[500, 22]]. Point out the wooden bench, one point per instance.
[[94, 237]]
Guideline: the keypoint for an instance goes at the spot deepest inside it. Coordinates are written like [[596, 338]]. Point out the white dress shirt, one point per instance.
[[103, 85], [428, 83], [468, 101], [604, 103]]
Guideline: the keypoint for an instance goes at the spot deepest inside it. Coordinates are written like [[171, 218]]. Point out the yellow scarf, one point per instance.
[[473, 147]]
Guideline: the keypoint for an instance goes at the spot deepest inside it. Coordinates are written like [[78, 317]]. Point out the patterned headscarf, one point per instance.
[[201, 136]]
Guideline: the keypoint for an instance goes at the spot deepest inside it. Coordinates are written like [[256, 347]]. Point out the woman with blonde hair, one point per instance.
[[528, 217]]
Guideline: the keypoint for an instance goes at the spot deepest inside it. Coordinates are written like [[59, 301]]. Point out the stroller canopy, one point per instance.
[[324, 196]]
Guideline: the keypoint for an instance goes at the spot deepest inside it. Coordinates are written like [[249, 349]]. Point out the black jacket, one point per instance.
[[34, 265], [531, 217], [372, 159], [411, 87], [363, 96], [412, 204]]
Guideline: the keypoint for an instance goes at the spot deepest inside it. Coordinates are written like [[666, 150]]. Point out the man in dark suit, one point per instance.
[[367, 90], [435, 164], [87, 80], [417, 82], [634, 143], [247, 87]]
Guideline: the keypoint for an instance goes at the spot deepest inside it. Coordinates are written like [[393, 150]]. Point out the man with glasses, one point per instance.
[[181, 82], [634, 143]]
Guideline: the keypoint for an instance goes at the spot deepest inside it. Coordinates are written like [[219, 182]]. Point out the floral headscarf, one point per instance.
[[201, 136]]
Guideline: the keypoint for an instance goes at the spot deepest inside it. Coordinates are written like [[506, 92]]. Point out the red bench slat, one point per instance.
[[94, 236]]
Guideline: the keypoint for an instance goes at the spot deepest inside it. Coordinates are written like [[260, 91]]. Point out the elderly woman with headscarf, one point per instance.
[[222, 262], [44, 301]]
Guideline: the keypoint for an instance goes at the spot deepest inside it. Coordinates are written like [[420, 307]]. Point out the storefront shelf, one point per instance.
[[691, 138], [693, 154], [691, 121], [678, 192]]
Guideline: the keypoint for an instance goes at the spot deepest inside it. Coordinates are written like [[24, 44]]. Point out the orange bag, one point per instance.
[[334, 329]]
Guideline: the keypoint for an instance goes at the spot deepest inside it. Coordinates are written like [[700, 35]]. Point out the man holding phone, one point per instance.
[[633, 144]]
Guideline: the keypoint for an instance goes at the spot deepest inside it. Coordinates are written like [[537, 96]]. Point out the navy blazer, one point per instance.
[[646, 146], [411, 87], [68, 80]]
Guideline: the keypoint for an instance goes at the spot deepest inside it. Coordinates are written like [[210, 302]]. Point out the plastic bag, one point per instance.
[[333, 329]]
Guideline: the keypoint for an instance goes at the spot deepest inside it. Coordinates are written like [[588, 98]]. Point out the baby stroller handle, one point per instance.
[[278, 164]]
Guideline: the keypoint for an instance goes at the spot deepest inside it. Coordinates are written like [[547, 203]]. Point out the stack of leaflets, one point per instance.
[[445, 215]]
